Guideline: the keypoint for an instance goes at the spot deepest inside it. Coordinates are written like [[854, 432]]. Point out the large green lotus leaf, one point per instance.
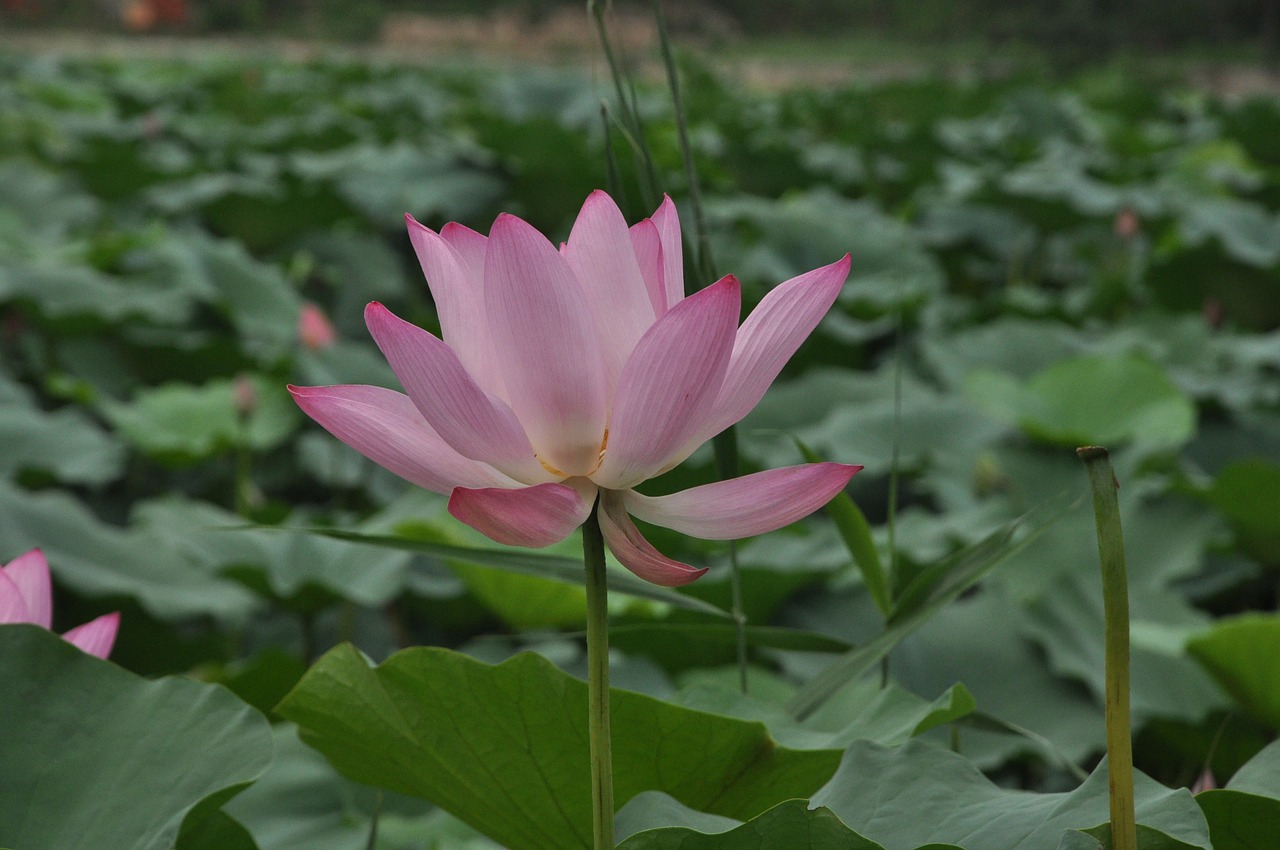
[[39, 208], [1247, 232], [1243, 654], [678, 645], [96, 559], [384, 182], [892, 796], [93, 756], [65, 443], [978, 641], [504, 747], [1099, 838], [61, 286], [302, 803], [891, 269], [257, 298], [290, 561], [862, 711], [1092, 400], [791, 824], [218, 831], [1247, 492], [1068, 624], [1013, 345], [1246, 814], [182, 424], [850, 417]]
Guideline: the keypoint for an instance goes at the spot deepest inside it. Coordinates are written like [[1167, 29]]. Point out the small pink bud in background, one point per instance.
[[1127, 224], [1213, 312], [1205, 782], [315, 331], [26, 596], [244, 395]]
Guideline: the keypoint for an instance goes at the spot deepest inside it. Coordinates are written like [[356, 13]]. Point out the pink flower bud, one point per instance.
[[315, 331]]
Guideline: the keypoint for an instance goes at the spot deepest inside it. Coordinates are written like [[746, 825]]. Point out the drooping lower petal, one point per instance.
[[473, 422], [528, 516], [29, 572], [96, 637], [746, 506], [666, 389], [771, 334], [634, 552], [546, 345], [386, 427]]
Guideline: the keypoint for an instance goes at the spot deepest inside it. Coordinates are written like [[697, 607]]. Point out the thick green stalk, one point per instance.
[[598, 683], [1115, 606]]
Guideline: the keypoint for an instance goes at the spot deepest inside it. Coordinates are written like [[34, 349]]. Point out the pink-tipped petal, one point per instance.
[[453, 276], [470, 247], [667, 388], [13, 608], [473, 422], [529, 516], [634, 552], [96, 637], [768, 338], [647, 244], [386, 427], [546, 346], [29, 572], [746, 506], [667, 220], [600, 253]]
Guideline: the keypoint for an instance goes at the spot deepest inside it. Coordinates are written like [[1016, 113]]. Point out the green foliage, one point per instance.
[[1032, 268], [96, 756]]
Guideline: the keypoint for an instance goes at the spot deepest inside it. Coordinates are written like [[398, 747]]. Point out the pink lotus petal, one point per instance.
[[473, 422], [600, 253], [667, 220], [13, 607], [546, 345], [384, 426], [647, 245], [667, 388], [470, 247], [29, 573], [529, 516], [746, 506], [634, 552], [96, 637], [770, 335], [456, 287]]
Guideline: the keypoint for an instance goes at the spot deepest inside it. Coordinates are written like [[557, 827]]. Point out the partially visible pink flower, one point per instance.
[[315, 331], [571, 374], [26, 596]]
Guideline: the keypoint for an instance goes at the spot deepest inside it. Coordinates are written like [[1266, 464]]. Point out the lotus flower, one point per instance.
[[567, 375], [26, 596]]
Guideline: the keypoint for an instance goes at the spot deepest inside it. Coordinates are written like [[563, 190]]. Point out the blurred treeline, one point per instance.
[[1074, 25]]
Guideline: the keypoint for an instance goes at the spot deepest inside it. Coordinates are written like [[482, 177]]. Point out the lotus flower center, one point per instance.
[[562, 475]]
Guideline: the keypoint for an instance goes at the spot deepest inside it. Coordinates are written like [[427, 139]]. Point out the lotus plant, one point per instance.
[[571, 375], [26, 596]]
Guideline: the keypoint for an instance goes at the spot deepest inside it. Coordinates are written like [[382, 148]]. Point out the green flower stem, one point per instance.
[[598, 683], [1115, 606]]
